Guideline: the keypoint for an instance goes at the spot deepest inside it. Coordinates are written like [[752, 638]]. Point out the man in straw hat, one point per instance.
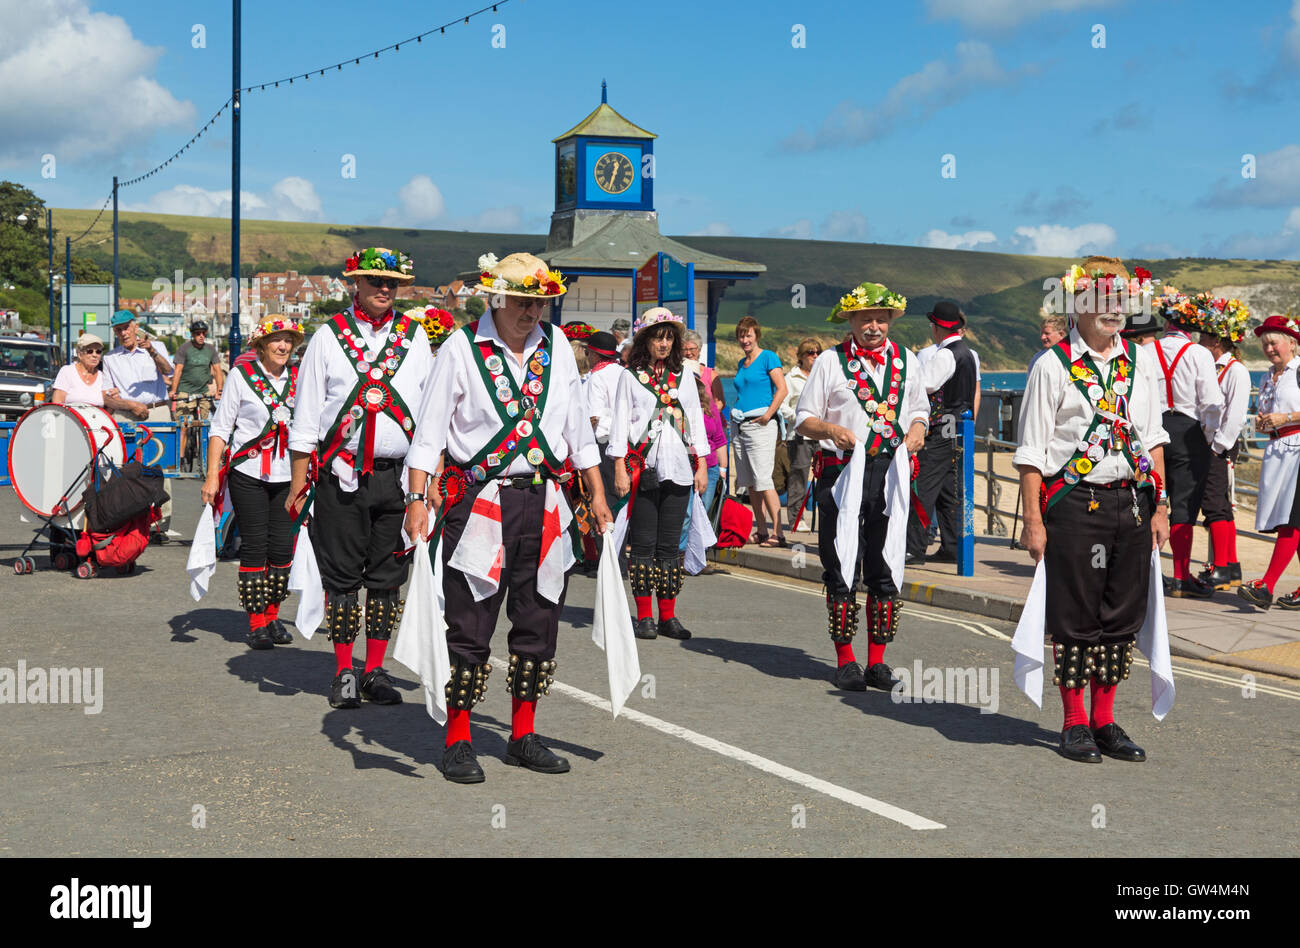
[[865, 396], [1091, 465], [503, 425], [359, 384]]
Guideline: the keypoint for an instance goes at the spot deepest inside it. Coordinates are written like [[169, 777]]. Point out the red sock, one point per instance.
[[875, 653], [643, 608], [272, 612], [342, 656], [1075, 712], [667, 609], [375, 649], [521, 717], [1180, 544], [256, 620], [844, 654], [457, 725], [1288, 540], [1103, 704], [1224, 535]]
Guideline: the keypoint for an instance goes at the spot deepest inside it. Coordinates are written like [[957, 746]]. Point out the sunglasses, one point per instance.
[[96, 350], [382, 283]]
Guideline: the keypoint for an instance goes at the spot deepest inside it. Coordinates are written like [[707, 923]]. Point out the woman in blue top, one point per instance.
[[760, 390]]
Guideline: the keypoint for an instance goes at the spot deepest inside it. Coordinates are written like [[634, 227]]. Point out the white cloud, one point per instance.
[[967, 241], [1276, 182], [1291, 43], [714, 229], [1054, 240], [845, 225], [1001, 14], [800, 230], [76, 83], [290, 199], [421, 203], [938, 84], [1284, 244], [495, 220]]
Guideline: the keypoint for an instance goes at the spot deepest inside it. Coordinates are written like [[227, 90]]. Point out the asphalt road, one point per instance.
[[742, 747]]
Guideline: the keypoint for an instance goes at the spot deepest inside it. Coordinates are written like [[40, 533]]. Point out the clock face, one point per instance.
[[614, 172]]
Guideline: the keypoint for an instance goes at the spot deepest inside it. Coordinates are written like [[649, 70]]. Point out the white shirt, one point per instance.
[[599, 392], [830, 397], [795, 380], [459, 413], [1033, 359], [1196, 387], [634, 406], [1281, 396], [326, 377], [1055, 415], [939, 363], [241, 415], [133, 373], [1236, 398]]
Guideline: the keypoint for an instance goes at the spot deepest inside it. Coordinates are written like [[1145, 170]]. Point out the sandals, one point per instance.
[[772, 542]]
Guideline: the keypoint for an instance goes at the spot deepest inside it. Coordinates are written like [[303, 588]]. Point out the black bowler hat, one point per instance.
[[947, 315], [1140, 324], [602, 343]]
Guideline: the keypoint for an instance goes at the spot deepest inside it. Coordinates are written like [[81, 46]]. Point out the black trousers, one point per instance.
[[265, 530], [534, 622], [936, 488], [356, 535], [800, 451], [654, 529], [1098, 565], [1216, 501], [1187, 463], [871, 568]]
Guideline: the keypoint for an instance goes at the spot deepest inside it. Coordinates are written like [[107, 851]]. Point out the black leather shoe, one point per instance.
[[914, 559], [260, 638], [673, 629], [943, 556], [646, 628], [530, 752], [1289, 602], [1190, 589], [880, 676], [343, 691], [279, 634], [1168, 584], [848, 677], [1077, 744], [1113, 742], [1219, 577], [376, 686], [460, 764], [1256, 593]]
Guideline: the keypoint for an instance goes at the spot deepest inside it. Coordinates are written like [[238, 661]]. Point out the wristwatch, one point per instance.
[[413, 497]]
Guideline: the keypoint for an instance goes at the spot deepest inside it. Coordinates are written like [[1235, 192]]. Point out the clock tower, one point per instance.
[[604, 168]]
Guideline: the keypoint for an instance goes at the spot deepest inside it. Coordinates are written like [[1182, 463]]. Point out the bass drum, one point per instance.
[[50, 455]]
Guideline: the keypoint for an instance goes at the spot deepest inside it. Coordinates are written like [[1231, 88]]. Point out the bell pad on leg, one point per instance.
[[277, 582], [253, 590], [842, 617], [668, 579], [529, 678], [467, 685], [882, 618], [342, 617], [1109, 664], [641, 574], [383, 611], [1074, 664]]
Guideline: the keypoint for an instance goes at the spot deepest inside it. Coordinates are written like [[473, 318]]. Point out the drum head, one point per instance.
[[50, 452]]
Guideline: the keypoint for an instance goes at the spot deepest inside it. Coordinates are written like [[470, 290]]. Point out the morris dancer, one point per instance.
[[504, 421], [1225, 326], [871, 385], [362, 374], [1091, 466], [658, 429], [1192, 403], [599, 388], [253, 418]]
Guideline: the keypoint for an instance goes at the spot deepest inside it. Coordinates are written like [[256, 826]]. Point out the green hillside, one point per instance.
[[1001, 293]]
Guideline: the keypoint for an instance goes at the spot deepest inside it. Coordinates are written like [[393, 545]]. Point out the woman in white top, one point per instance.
[[657, 425], [798, 448], [1279, 491], [252, 419], [81, 382]]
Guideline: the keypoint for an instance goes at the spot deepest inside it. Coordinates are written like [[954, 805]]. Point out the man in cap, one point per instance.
[[505, 423], [952, 383], [1091, 464], [872, 386], [360, 384]]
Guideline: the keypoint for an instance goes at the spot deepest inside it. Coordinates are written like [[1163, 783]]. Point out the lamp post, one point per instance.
[[49, 233]]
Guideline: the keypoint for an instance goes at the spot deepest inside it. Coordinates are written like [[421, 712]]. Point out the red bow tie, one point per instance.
[[376, 321], [877, 356]]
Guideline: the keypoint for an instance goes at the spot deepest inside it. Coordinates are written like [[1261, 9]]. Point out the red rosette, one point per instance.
[[377, 404], [451, 485], [915, 462], [634, 463]]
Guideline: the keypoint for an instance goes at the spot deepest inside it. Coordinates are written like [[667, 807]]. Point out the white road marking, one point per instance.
[[851, 797], [979, 628]]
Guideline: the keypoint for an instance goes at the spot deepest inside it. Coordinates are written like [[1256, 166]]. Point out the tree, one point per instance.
[[475, 306], [22, 245]]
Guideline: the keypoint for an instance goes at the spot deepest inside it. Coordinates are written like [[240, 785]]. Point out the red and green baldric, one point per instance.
[[273, 439], [374, 392], [881, 407], [1111, 429], [668, 415], [520, 409]]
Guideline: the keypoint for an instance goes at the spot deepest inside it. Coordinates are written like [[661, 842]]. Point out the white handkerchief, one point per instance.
[[202, 562], [422, 635], [898, 503], [700, 536], [1153, 642], [1028, 641], [346, 474], [611, 628], [304, 578], [848, 499]]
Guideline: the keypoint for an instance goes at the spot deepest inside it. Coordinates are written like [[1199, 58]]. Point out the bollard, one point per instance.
[[966, 488]]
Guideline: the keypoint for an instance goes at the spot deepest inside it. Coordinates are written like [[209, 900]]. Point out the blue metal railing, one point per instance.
[[166, 453]]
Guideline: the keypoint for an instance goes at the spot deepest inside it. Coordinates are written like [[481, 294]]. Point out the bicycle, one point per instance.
[[191, 412]]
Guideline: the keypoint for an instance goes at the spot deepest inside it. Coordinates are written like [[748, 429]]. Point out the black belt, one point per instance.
[[522, 481], [1109, 485], [387, 464]]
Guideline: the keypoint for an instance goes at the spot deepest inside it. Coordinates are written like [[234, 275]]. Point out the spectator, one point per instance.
[[620, 328], [799, 450], [81, 382], [1052, 330], [760, 391], [197, 365]]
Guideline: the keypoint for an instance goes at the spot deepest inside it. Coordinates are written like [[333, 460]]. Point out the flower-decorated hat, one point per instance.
[[1107, 278], [1226, 318], [519, 274], [380, 262], [1288, 325], [437, 323], [868, 297], [658, 316], [274, 324], [577, 331]]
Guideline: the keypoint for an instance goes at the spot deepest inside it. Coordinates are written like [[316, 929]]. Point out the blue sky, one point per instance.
[[1059, 145]]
